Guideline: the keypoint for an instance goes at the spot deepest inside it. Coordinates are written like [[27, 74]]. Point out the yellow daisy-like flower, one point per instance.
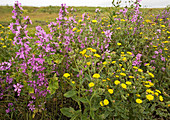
[[110, 91], [94, 21], [119, 44], [123, 74], [89, 48], [140, 70], [161, 98], [104, 63], [124, 59], [162, 25], [120, 65], [91, 84], [97, 55], [88, 63], [139, 101], [147, 64], [149, 91], [93, 50], [137, 95], [123, 85], [106, 102], [135, 67], [123, 69], [128, 83], [83, 52], [104, 80], [149, 97], [113, 62], [148, 86], [158, 91], [74, 29], [117, 82], [131, 77], [101, 103], [66, 75], [96, 75], [152, 75], [129, 53], [117, 76], [73, 82]]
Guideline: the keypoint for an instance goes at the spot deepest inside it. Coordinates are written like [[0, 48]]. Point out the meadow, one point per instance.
[[84, 63]]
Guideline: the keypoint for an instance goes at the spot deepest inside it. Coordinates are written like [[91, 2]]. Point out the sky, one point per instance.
[[95, 3]]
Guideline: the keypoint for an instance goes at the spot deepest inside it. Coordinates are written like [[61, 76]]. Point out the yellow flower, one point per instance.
[[128, 83], [137, 95], [117, 82], [93, 50], [139, 101], [147, 64], [117, 76], [148, 86], [118, 28], [97, 55], [4, 46], [162, 25], [110, 91], [113, 62], [129, 53], [123, 74], [96, 75], [106, 102], [161, 98], [91, 84], [119, 44], [94, 21], [83, 52], [66, 75], [73, 82], [74, 29], [123, 69], [124, 59], [104, 63], [143, 76], [101, 103], [79, 20], [108, 79], [89, 48], [123, 85], [151, 74], [158, 91], [120, 65], [88, 63], [135, 67], [150, 97], [165, 48], [149, 91], [140, 70], [78, 30], [131, 77], [104, 80]]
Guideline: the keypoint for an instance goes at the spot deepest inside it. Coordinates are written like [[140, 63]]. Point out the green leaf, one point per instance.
[[83, 100], [69, 112], [77, 113], [75, 69], [70, 93]]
